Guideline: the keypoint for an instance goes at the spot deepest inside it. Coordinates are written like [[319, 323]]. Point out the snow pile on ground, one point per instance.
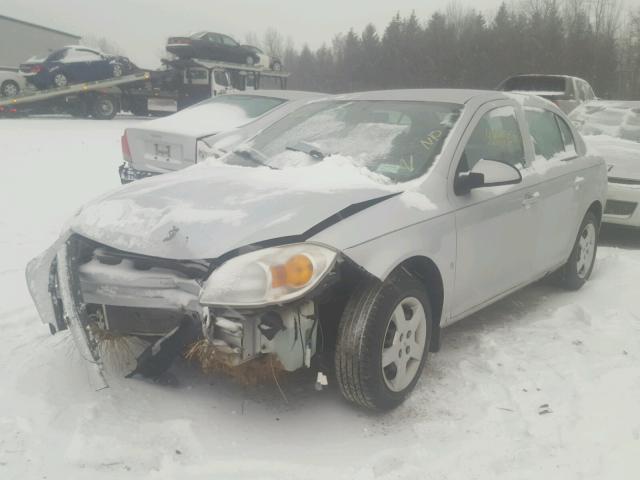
[[545, 384]]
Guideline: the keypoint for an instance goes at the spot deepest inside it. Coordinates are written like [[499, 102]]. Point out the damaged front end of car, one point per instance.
[[260, 302]]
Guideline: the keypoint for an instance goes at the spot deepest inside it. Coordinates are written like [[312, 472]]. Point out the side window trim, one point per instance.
[[469, 127], [571, 155]]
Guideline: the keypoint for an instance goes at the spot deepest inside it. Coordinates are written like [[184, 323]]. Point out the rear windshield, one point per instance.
[[252, 105], [550, 85]]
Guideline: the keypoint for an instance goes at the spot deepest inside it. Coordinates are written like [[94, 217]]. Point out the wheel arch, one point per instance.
[[596, 209], [427, 272]]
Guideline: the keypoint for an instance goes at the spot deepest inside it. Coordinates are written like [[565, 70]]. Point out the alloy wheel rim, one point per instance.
[[587, 244], [404, 344], [60, 80], [10, 90]]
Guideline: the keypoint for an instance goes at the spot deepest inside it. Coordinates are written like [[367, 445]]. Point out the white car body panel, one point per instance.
[[615, 137], [484, 244]]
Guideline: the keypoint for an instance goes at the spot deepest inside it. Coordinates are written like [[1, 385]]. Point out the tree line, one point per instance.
[[460, 47]]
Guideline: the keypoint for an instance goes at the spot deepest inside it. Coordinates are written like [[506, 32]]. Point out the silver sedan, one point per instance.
[[346, 236]]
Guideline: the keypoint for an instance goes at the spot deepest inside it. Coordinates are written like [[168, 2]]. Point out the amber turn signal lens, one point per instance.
[[296, 272]]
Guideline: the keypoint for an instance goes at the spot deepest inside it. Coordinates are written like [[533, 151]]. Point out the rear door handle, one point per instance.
[[530, 198]]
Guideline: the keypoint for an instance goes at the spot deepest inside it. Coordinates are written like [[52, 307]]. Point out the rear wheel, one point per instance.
[[250, 60], [383, 341], [60, 80], [277, 66], [9, 88], [580, 265], [117, 70], [104, 107]]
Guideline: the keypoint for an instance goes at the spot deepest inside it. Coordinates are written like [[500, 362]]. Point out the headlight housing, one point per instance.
[[268, 276]]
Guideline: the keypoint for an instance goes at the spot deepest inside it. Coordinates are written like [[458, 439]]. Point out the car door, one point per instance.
[[85, 65], [558, 184], [495, 226], [210, 47], [233, 52]]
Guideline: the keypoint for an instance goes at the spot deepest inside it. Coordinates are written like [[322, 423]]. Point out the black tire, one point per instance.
[[571, 275], [361, 339], [9, 88], [104, 107]]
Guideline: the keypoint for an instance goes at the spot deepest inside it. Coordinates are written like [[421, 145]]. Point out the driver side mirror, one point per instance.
[[486, 173]]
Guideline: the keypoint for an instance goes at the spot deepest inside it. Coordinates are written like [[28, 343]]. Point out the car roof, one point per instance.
[[290, 95], [444, 95], [541, 75]]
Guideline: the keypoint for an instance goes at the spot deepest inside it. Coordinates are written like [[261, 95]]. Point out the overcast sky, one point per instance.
[[141, 27]]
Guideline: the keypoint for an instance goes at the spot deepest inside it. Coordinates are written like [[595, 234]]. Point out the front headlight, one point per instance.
[[271, 275]]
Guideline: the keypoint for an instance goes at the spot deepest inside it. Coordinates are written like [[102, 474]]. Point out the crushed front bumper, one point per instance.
[[92, 289]]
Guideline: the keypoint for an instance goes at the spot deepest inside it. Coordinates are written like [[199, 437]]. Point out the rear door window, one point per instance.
[[74, 55], [496, 137], [545, 128], [213, 38], [228, 41], [567, 135]]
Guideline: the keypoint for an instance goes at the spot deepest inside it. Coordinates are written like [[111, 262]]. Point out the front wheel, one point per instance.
[[250, 60], [277, 66], [578, 269], [383, 341]]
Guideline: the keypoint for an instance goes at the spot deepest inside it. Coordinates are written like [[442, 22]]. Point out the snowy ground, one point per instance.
[[545, 384]]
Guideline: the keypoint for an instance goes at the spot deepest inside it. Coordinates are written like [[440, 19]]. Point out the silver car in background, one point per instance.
[[206, 129], [612, 128], [344, 236]]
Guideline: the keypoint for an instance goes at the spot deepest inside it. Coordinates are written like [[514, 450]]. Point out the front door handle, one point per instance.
[[577, 182], [530, 198]]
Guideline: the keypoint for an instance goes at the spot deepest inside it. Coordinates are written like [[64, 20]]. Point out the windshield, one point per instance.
[[399, 140], [621, 121]]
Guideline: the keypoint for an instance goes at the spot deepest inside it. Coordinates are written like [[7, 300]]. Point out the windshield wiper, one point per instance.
[[307, 148], [254, 156]]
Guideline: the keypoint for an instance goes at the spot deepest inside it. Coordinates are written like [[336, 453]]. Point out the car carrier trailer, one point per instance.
[[179, 84]]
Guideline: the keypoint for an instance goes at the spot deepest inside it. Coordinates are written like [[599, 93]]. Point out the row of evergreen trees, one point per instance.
[[461, 48]]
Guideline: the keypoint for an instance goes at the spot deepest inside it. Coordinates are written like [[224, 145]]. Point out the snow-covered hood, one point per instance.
[[622, 156], [199, 120], [210, 209]]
